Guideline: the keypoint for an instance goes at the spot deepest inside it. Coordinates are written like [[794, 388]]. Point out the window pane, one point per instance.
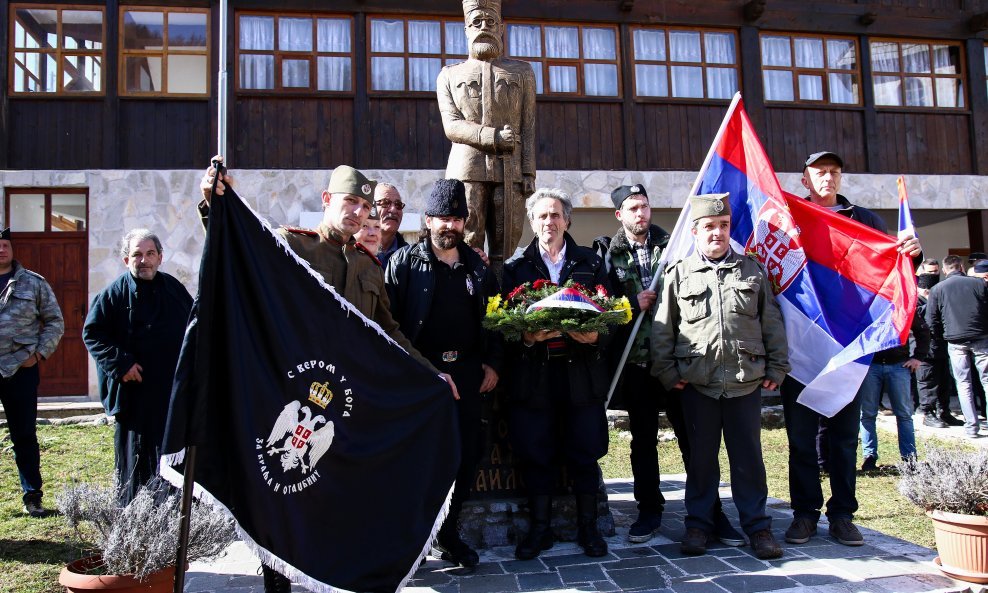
[[722, 83], [778, 85], [82, 29], [776, 52], [916, 57], [950, 93], [600, 80], [809, 53], [34, 72], [810, 87], [187, 30], [919, 91], [294, 34], [256, 72], [843, 88], [537, 68], [841, 54], [562, 42], [884, 56], [35, 29], [562, 79], [334, 74], [599, 44], [887, 90], [456, 39], [333, 35], [81, 73], [651, 45], [295, 74], [422, 73], [684, 46], [720, 48], [27, 213], [68, 212], [142, 74], [946, 59], [687, 81], [387, 36], [387, 74], [650, 81], [144, 30], [187, 74], [424, 37], [257, 32], [524, 41]]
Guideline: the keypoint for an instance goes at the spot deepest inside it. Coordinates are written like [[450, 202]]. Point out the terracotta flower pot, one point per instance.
[[962, 542], [75, 579]]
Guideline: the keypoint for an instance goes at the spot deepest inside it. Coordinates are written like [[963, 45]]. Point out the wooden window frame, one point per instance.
[[442, 56], [58, 52], [669, 63], [280, 55], [47, 192], [932, 76], [824, 72], [578, 62], [163, 53]]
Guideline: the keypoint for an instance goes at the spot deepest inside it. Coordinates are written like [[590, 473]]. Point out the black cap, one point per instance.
[[619, 195], [448, 198], [826, 154], [927, 280], [976, 256], [5, 234], [981, 266]]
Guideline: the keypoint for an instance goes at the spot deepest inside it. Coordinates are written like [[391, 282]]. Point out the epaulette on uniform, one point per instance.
[[301, 231], [367, 251]]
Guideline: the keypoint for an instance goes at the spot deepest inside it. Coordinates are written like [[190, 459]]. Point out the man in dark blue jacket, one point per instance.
[[134, 332], [438, 289]]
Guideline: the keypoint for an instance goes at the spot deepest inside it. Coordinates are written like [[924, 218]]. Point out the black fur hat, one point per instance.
[[448, 198]]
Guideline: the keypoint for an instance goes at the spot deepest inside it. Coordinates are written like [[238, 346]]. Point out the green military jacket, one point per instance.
[[30, 320], [718, 327]]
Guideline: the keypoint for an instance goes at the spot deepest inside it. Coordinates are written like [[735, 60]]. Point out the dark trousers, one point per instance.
[[934, 381], [739, 419], [136, 455], [802, 425], [469, 413], [19, 396], [577, 435], [643, 396]]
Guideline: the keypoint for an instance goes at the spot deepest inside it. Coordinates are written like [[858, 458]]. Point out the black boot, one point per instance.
[[588, 536], [274, 581], [539, 536], [452, 548]]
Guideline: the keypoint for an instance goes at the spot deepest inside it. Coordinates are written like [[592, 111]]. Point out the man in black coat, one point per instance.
[[134, 332], [558, 382], [438, 289]]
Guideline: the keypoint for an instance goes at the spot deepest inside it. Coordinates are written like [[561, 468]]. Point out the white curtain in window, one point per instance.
[[333, 35], [720, 48], [778, 85], [687, 81], [600, 80], [841, 54], [524, 41], [537, 69], [387, 74], [884, 56], [257, 32], [810, 87], [776, 51], [651, 80], [456, 39], [256, 71], [562, 42], [599, 44], [887, 90], [843, 88], [294, 34], [424, 37], [946, 61], [919, 91], [722, 83], [422, 73], [295, 74], [809, 53], [387, 36], [916, 57], [334, 73], [562, 79], [684, 46], [651, 45], [950, 92]]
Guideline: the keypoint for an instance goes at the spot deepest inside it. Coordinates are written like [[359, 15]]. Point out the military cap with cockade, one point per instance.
[[706, 205], [347, 180]]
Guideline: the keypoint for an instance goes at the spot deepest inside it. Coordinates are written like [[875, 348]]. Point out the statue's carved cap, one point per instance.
[[471, 5]]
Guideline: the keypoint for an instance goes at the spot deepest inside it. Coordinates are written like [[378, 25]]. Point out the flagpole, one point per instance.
[[221, 91], [664, 259]]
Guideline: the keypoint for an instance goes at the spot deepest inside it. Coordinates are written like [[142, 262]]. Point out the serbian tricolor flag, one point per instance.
[[844, 290], [566, 298]]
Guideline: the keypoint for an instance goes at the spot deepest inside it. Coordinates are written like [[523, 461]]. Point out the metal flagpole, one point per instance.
[[670, 249], [221, 90]]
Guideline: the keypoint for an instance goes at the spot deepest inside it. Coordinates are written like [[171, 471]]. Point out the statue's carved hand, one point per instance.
[[504, 139]]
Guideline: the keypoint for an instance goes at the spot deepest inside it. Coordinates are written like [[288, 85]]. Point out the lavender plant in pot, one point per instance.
[[952, 485]]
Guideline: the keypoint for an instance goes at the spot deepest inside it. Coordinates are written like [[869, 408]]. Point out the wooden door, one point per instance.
[[57, 247]]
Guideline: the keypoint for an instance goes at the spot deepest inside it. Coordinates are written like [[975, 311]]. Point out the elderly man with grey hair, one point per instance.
[[134, 332], [558, 382]]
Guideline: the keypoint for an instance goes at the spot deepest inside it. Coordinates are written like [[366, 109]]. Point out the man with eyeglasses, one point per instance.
[[390, 208]]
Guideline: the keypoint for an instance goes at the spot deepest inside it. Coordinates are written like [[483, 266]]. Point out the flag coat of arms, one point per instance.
[[844, 290], [332, 448]]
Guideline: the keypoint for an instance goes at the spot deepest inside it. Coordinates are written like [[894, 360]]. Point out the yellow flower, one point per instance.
[[493, 304], [624, 306]]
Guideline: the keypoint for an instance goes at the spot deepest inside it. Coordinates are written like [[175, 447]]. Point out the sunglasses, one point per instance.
[[385, 204]]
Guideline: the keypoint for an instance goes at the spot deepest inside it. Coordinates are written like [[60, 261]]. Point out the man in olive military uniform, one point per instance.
[[331, 251], [718, 336], [488, 109]]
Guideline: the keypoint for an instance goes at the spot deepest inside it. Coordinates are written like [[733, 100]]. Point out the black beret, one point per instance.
[[927, 280], [619, 195], [976, 256], [5, 234], [448, 198], [981, 266]]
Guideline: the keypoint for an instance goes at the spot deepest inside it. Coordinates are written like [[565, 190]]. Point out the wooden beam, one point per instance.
[[977, 230], [361, 103], [976, 77], [872, 142], [111, 103], [628, 105], [752, 88], [4, 102]]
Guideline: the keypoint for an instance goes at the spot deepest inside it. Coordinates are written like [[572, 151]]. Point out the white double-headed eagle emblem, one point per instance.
[[301, 437]]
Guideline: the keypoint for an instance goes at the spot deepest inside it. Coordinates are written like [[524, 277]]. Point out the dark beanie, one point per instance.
[[5, 234], [927, 280], [448, 198], [981, 266]]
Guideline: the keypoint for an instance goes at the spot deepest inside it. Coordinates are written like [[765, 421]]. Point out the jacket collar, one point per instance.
[[697, 263], [573, 255], [657, 237], [846, 207], [423, 251]]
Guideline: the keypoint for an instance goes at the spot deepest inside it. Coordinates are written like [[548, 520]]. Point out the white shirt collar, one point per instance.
[[555, 268]]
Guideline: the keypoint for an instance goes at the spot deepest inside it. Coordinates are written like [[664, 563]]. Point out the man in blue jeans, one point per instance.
[[822, 179], [890, 371]]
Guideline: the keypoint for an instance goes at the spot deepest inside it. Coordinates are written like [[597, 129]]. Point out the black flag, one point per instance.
[[332, 448]]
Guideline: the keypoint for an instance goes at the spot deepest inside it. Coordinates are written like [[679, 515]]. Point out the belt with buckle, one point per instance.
[[450, 355]]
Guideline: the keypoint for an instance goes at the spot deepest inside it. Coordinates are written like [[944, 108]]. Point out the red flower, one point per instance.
[[542, 283], [601, 291], [517, 291]]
